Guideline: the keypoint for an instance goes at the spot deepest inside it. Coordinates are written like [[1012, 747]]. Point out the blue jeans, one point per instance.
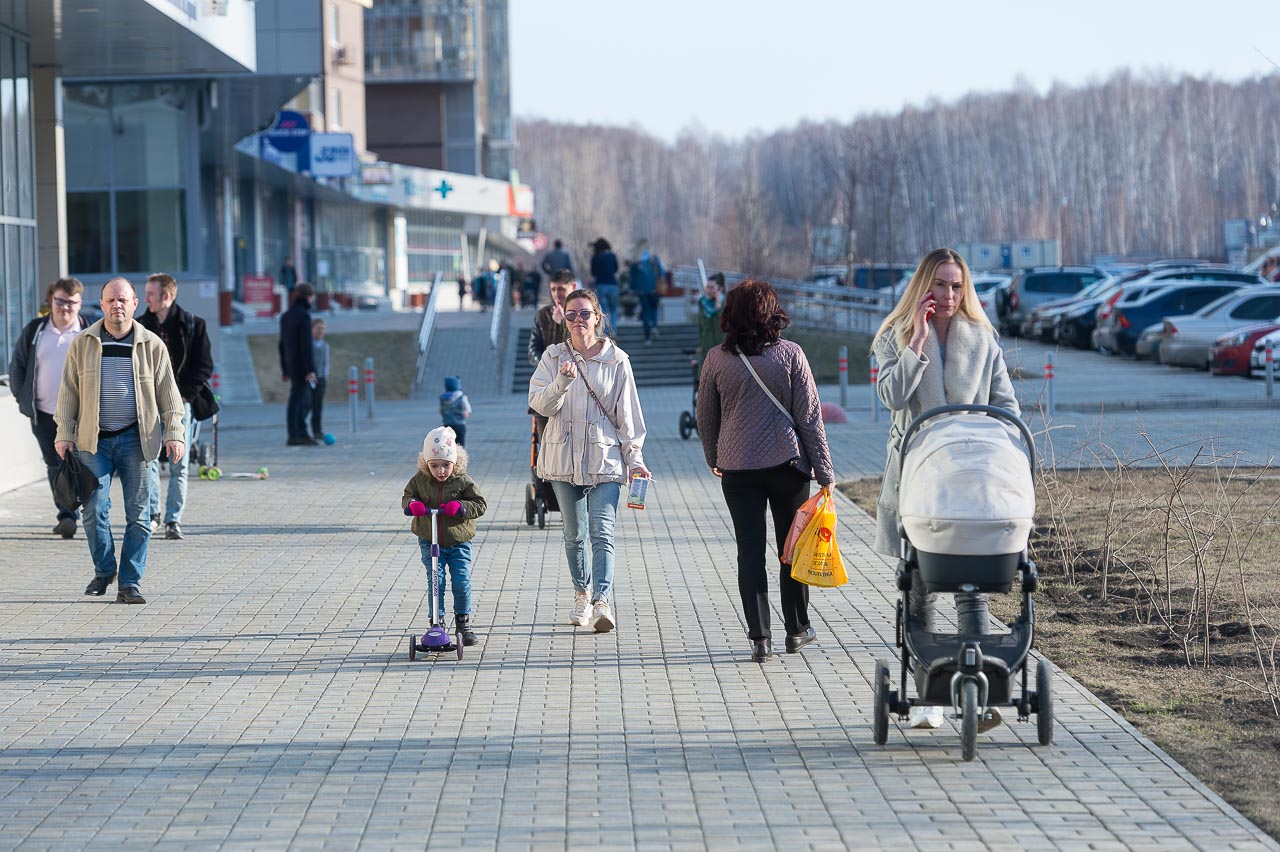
[[458, 560], [648, 312], [119, 455], [176, 496], [599, 505], [608, 296]]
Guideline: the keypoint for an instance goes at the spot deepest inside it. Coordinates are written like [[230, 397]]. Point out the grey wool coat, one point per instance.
[[974, 373]]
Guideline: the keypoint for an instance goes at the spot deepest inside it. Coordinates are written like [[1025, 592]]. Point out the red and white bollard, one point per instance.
[[368, 386], [875, 396], [1048, 378], [1270, 365], [844, 376], [353, 397]]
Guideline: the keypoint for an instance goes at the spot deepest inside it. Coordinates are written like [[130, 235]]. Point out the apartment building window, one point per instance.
[[335, 108], [335, 34]]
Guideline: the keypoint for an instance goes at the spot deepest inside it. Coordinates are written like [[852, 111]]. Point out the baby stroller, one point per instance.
[[539, 497], [689, 419], [966, 503]]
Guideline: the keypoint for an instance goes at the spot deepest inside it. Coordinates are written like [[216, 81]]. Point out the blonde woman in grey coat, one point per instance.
[[936, 347]]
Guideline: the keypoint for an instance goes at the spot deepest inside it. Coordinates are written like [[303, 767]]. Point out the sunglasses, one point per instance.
[[573, 315], [65, 303]]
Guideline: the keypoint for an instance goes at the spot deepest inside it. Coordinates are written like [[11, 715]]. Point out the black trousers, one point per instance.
[[297, 408], [317, 409], [782, 490], [46, 430]]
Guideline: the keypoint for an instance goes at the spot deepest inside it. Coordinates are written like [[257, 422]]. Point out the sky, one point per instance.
[[737, 67]]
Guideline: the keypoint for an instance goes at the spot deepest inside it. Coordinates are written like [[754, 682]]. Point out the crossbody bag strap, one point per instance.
[[768, 393], [582, 373]]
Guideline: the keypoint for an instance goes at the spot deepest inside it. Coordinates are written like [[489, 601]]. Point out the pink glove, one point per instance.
[[453, 507], [416, 508]]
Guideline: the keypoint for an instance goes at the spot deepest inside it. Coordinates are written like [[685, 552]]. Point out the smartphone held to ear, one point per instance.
[[638, 493]]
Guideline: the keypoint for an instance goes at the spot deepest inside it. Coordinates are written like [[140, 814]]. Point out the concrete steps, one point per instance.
[[661, 363]]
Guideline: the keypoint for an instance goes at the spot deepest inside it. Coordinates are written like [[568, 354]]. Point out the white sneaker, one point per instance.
[[602, 617], [581, 610], [926, 717], [990, 719]]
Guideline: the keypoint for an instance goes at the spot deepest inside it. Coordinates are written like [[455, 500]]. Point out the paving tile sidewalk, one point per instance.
[[263, 698]]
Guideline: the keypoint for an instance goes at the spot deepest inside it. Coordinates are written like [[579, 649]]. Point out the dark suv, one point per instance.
[[1042, 284]]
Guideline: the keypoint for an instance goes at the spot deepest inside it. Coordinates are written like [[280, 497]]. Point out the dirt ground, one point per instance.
[[1160, 593], [394, 356]]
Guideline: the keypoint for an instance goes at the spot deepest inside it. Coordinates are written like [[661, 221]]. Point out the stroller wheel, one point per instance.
[[413, 647], [1044, 703], [529, 505], [542, 514], [880, 724], [458, 641], [687, 425], [969, 719]]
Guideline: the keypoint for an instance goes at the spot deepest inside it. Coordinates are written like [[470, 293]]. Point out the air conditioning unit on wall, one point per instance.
[[341, 56]]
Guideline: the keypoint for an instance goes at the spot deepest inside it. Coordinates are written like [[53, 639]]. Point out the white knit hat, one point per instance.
[[441, 443]]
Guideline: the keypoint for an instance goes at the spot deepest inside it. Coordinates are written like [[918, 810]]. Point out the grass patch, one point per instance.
[[1161, 594], [822, 348], [394, 358]]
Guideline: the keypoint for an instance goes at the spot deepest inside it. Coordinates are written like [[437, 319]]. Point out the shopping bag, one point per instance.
[[817, 559], [74, 483], [807, 510]]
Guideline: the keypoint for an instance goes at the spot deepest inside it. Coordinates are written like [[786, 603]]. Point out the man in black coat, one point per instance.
[[186, 337], [297, 364]]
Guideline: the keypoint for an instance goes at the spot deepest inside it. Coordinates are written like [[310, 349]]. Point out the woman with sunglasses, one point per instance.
[[591, 446]]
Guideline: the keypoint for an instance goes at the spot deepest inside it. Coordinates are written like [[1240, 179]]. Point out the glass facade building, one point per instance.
[[19, 296]]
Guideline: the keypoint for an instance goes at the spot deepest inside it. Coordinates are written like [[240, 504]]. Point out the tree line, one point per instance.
[[1134, 166]]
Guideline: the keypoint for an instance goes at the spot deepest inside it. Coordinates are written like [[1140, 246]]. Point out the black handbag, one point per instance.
[[74, 483], [204, 404]]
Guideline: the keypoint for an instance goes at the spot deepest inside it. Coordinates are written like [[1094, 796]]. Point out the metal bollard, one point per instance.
[[1048, 377], [844, 376], [368, 386], [1271, 371], [215, 382], [875, 397], [353, 397]]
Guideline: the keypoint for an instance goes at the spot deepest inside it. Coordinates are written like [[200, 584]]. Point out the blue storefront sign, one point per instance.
[[289, 132], [332, 155]]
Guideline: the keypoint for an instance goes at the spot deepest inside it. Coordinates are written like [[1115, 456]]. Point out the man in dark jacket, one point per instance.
[[549, 328], [557, 259], [297, 364], [186, 337], [35, 375]]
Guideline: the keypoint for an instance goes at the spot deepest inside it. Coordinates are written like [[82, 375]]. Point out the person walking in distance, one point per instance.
[[320, 359], [288, 279], [35, 375], [297, 364], [186, 338], [455, 408], [604, 278], [117, 405], [936, 347], [549, 328], [760, 422], [646, 271], [557, 259], [592, 444]]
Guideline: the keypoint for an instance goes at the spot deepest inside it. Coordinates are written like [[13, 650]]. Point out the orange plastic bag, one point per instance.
[[807, 510], [817, 559]]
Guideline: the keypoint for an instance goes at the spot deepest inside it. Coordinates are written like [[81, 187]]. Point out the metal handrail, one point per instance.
[[499, 307], [424, 335]]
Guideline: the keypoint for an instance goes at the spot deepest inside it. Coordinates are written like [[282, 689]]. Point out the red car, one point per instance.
[[1229, 355]]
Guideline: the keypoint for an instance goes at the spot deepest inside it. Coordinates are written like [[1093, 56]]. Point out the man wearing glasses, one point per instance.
[[35, 374], [118, 403]]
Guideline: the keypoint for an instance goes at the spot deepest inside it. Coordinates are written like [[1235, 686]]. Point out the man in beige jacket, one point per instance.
[[117, 404]]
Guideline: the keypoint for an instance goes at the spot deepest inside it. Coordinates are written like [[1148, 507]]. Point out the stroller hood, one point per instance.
[[967, 488]]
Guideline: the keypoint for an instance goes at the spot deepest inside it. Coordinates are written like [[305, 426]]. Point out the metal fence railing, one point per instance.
[[424, 335], [500, 322], [828, 308]]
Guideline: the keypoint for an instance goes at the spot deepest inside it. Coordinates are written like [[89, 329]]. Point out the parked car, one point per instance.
[[1187, 339], [1148, 345], [991, 287], [1120, 332], [1042, 322], [1133, 287], [1258, 360], [1042, 284], [1229, 355]]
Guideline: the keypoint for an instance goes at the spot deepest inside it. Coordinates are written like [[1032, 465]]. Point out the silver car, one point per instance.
[[1188, 339]]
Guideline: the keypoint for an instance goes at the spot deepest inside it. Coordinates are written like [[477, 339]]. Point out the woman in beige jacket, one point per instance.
[[592, 444]]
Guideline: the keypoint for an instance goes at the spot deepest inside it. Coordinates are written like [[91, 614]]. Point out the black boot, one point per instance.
[[464, 626]]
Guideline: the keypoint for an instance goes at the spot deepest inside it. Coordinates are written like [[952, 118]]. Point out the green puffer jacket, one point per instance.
[[460, 487]]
